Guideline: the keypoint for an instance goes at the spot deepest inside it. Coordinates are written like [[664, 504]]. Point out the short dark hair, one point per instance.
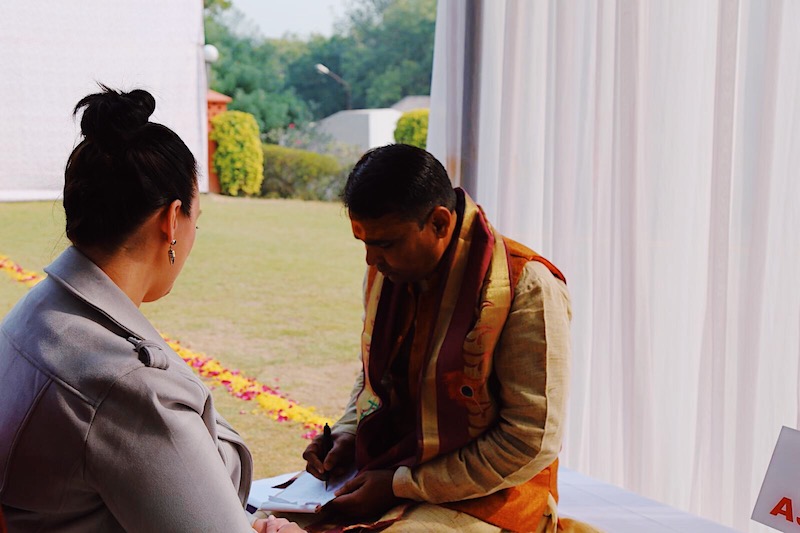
[[123, 170], [397, 179]]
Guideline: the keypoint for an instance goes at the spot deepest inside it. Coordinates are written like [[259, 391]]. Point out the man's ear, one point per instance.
[[441, 218]]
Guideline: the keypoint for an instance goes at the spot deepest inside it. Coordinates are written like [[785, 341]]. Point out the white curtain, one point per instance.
[[54, 52], [651, 149]]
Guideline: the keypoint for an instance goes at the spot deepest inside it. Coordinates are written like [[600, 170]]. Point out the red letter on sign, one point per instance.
[[784, 507]]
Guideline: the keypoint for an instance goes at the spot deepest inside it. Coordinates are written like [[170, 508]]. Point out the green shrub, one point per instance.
[[412, 128], [237, 161], [293, 173]]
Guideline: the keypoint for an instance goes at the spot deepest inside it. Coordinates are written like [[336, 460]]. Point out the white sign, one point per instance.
[[778, 504]]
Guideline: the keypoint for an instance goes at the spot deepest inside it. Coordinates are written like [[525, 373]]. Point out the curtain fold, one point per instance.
[[651, 150]]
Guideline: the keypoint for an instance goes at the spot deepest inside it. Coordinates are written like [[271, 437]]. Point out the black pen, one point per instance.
[[327, 445]]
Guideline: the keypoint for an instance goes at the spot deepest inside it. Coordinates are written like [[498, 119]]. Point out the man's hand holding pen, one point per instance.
[[369, 493], [334, 462]]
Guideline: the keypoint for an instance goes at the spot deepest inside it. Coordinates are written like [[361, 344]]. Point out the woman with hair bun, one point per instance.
[[102, 426]]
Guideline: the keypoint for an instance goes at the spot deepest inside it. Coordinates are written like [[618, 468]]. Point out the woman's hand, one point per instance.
[[274, 525]]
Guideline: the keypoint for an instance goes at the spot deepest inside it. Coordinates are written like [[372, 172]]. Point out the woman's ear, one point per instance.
[[170, 219]]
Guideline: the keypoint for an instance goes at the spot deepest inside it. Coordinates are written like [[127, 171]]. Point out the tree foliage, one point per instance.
[[323, 95], [392, 55], [237, 160], [382, 48], [293, 173], [412, 128], [250, 70], [216, 5]]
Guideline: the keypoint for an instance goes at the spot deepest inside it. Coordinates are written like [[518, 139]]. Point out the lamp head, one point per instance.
[[210, 53]]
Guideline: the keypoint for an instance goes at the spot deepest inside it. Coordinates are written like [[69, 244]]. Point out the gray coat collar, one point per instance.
[[87, 282]]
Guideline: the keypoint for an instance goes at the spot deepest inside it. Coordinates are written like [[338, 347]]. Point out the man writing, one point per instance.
[[456, 417]]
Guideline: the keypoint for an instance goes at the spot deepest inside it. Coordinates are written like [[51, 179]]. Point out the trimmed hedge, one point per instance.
[[293, 173], [238, 160], [412, 128]]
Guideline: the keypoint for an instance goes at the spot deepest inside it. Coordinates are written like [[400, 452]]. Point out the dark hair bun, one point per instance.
[[111, 118], [124, 170]]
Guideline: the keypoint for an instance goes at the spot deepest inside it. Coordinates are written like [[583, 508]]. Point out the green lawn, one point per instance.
[[273, 288]]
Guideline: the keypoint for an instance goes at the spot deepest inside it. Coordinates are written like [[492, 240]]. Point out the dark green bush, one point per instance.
[[412, 128], [293, 173], [238, 160]]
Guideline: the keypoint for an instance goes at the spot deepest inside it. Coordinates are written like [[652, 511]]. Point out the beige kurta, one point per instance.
[[531, 364], [95, 436]]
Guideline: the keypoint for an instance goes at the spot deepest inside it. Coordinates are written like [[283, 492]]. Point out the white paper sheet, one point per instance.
[[306, 494]]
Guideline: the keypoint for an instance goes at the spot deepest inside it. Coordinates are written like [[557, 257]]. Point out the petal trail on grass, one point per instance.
[[270, 400], [18, 273]]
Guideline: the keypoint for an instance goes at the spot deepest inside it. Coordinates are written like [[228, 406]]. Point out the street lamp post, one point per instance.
[[322, 69]]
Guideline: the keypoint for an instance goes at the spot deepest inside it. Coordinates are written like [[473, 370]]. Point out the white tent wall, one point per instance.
[[52, 53], [651, 150]]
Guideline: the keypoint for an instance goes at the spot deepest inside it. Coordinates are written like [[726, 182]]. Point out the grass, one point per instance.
[[272, 288]]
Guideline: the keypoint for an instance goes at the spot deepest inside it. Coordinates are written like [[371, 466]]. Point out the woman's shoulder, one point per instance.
[[73, 344]]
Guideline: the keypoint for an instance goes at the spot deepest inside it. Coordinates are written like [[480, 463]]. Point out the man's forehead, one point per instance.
[[385, 227]]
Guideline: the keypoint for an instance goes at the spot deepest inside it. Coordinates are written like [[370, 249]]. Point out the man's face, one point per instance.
[[400, 249]]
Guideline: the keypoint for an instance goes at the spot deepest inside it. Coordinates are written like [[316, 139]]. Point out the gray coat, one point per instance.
[[103, 427]]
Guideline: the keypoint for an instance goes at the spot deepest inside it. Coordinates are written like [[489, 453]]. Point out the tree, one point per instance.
[[251, 70], [393, 52], [216, 5], [322, 94], [383, 49]]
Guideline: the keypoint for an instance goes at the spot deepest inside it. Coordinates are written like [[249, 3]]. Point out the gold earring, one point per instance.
[[171, 252]]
